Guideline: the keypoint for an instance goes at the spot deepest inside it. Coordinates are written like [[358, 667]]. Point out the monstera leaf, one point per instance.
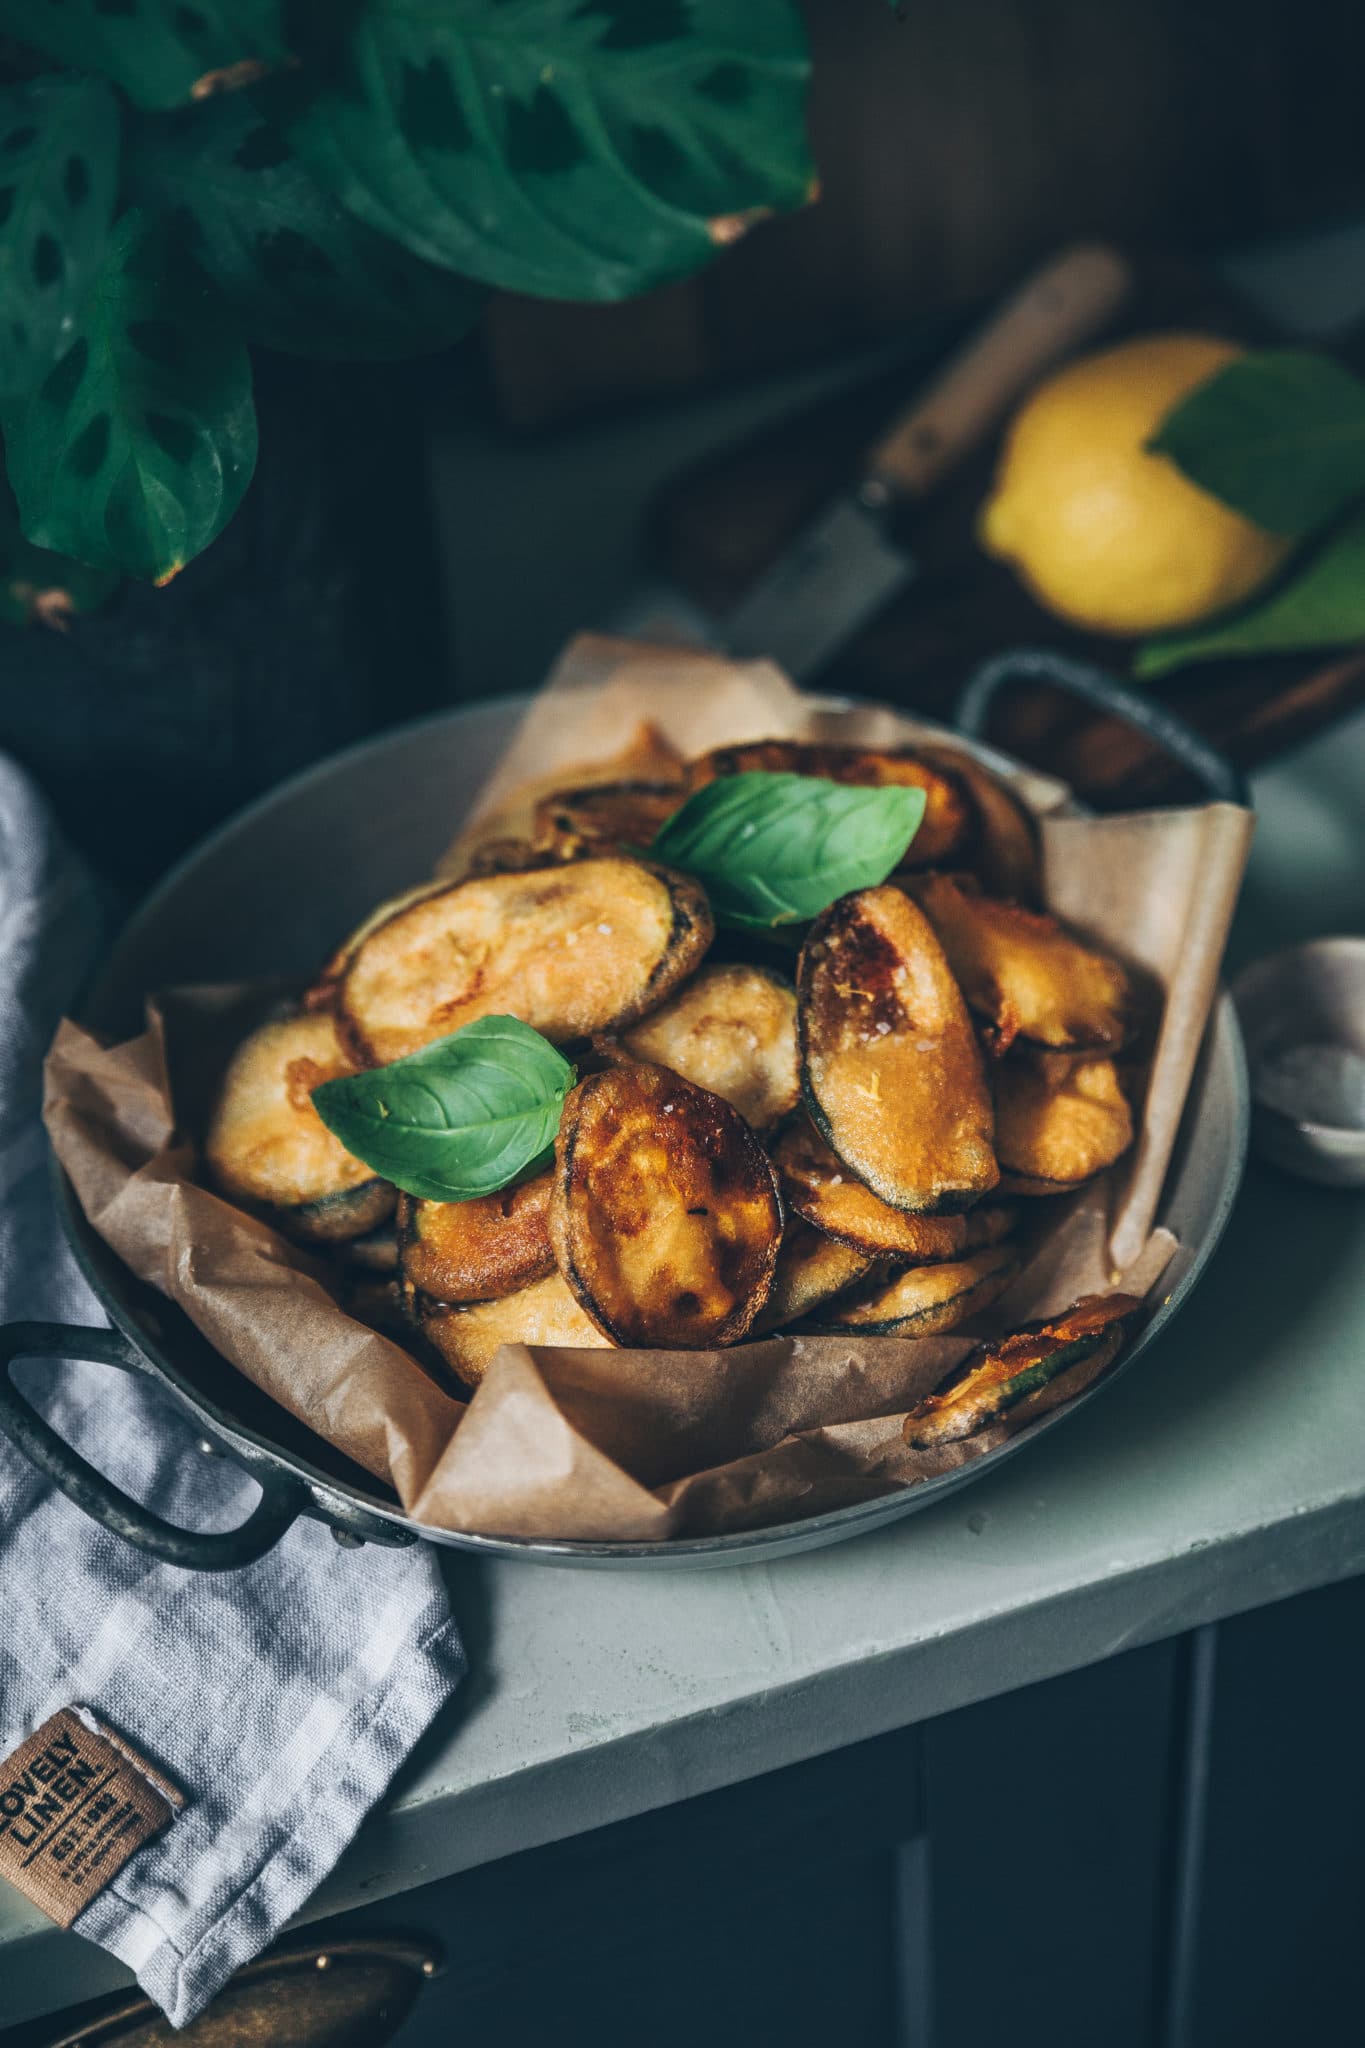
[[300, 272], [58, 170], [572, 149], [136, 449], [162, 52], [36, 586]]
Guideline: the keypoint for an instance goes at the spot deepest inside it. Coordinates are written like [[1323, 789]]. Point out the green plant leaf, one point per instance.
[[300, 273], [136, 448], [58, 172], [1320, 603], [41, 588], [461, 1118], [777, 849], [1278, 435], [162, 52], [573, 149]]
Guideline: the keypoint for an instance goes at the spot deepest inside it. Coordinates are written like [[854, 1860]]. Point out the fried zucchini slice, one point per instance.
[[479, 1250], [1023, 975], [572, 949], [945, 830], [604, 816], [732, 1030], [992, 1223], [376, 1253], [924, 1301], [467, 1337], [892, 1073], [1059, 1120], [999, 1377], [819, 1187], [665, 1218], [323, 993], [811, 1269], [267, 1145], [1005, 854]]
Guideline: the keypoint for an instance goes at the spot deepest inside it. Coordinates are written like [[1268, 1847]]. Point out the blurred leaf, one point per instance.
[[1321, 603], [301, 273], [58, 171], [162, 52], [135, 450], [1279, 436], [573, 149], [37, 587]]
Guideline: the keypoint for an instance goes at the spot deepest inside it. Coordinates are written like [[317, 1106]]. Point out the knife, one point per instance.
[[848, 563]]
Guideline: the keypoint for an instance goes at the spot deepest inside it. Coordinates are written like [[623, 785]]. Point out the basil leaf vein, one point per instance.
[[778, 849], [459, 1119]]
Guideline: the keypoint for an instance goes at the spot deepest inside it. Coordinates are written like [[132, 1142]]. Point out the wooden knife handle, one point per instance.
[[1063, 305]]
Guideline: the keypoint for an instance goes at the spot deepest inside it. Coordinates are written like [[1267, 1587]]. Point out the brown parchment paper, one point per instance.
[[631, 1445]]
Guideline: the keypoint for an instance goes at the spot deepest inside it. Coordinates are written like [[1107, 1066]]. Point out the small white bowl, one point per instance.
[[1302, 1014]]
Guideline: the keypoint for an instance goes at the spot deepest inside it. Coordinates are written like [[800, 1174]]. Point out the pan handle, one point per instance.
[[282, 1500], [1095, 686]]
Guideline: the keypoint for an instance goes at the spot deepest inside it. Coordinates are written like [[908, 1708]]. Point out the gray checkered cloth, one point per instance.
[[280, 1698]]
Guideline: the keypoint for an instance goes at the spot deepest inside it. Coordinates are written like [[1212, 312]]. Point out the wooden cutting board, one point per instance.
[[718, 526]]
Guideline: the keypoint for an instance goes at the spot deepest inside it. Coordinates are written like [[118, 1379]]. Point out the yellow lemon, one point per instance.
[[1104, 532]]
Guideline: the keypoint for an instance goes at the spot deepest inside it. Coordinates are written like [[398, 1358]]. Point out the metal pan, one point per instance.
[[389, 807]]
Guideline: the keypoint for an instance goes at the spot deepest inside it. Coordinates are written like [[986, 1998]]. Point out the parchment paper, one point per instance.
[[631, 1445]]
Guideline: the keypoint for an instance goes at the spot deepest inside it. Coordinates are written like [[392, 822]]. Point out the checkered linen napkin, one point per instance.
[[280, 1698]]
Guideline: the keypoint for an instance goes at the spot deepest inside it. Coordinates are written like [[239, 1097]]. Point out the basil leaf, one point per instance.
[[777, 849], [1321, 604], [459, 1119], [1278, 435]]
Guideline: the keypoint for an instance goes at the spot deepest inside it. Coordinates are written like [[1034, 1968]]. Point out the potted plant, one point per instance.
[[193, 192]]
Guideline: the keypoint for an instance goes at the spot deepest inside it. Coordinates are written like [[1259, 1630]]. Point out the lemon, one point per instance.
[[1104, 532]]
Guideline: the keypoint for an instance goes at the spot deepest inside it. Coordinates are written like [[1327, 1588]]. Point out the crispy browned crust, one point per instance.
[[731, 1029], [1005, 854], [819, 1187], [478, 1250], [468, 1337], [605, 816], [267, 1146], [811, 1269], [925, 1301], [665, 1218], [1059, 1120], [892, 1072], [945, 832], [1023, 974], [1017, 1371], [570, 949]]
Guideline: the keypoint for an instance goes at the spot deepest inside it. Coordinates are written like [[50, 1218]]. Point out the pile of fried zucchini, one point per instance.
[[833, 1131]]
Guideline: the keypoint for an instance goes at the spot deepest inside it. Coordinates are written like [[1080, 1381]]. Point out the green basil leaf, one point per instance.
[[136, 448], [39, 588], [1320, 603], [58, 171], [162, 52], [1278, 435], [777, 849], [571, 149], [459, 1119], [300, 273]]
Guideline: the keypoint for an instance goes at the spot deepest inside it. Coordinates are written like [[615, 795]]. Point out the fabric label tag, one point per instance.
[[75, 1803]]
